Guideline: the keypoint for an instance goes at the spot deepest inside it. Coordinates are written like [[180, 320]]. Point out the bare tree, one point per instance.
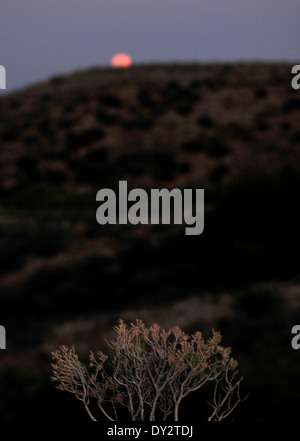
[[152, 371], [226, 394]]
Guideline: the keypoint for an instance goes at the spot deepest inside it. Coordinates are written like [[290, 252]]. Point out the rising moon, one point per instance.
[[121, 60]]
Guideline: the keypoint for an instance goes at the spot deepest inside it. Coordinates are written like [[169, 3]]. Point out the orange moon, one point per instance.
[[121, 60]]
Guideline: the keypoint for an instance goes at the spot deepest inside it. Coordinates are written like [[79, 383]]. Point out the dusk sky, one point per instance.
[[43, 38]]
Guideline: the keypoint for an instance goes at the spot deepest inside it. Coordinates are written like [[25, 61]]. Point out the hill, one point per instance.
[[232, 129]]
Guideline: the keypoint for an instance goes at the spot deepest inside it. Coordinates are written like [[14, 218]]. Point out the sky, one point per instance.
[[43, 38]]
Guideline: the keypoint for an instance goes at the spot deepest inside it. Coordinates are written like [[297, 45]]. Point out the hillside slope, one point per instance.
[[230, 129]]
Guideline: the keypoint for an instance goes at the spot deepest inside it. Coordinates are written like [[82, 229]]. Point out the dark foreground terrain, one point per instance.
[[64, 279]]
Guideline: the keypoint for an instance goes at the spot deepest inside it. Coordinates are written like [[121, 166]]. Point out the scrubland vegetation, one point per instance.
[[64, 280]]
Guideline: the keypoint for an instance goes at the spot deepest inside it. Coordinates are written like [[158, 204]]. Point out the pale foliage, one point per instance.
[[152, 371]]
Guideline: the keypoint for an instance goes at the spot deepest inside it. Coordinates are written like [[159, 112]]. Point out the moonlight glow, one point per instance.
[[121, 60]]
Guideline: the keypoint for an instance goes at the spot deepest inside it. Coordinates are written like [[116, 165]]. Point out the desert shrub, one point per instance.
[[66, 123], [184, 107], [56, 154], [159, 162], [30, 139], [18, 244], [286, 126], [15, 103], [84, 138], [28, 164], [214, 83], [134, 164], [296, 136], [218, 173], [217, 148], [45, 127], [54, 177], [193, 146], [138, 121], [46, 203], [13, 250], [145, 98], [57, 80], [213, 146], [46, 97], [49, 240], [260, 92], [74, 100], [291, 105], [259, 300], [150, 103], [163, 164], [261, 123], [205, 121], [172, 92], [277, 76], [98, 155], [10, 133], [238, 131], [93, 167], [177, 97], [106, 117], [183, 167], [195, 84], [152, 371], [81, 98], [111, 100]]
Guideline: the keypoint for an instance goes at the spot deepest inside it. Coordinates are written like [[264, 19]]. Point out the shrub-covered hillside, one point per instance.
[[230, 129]]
